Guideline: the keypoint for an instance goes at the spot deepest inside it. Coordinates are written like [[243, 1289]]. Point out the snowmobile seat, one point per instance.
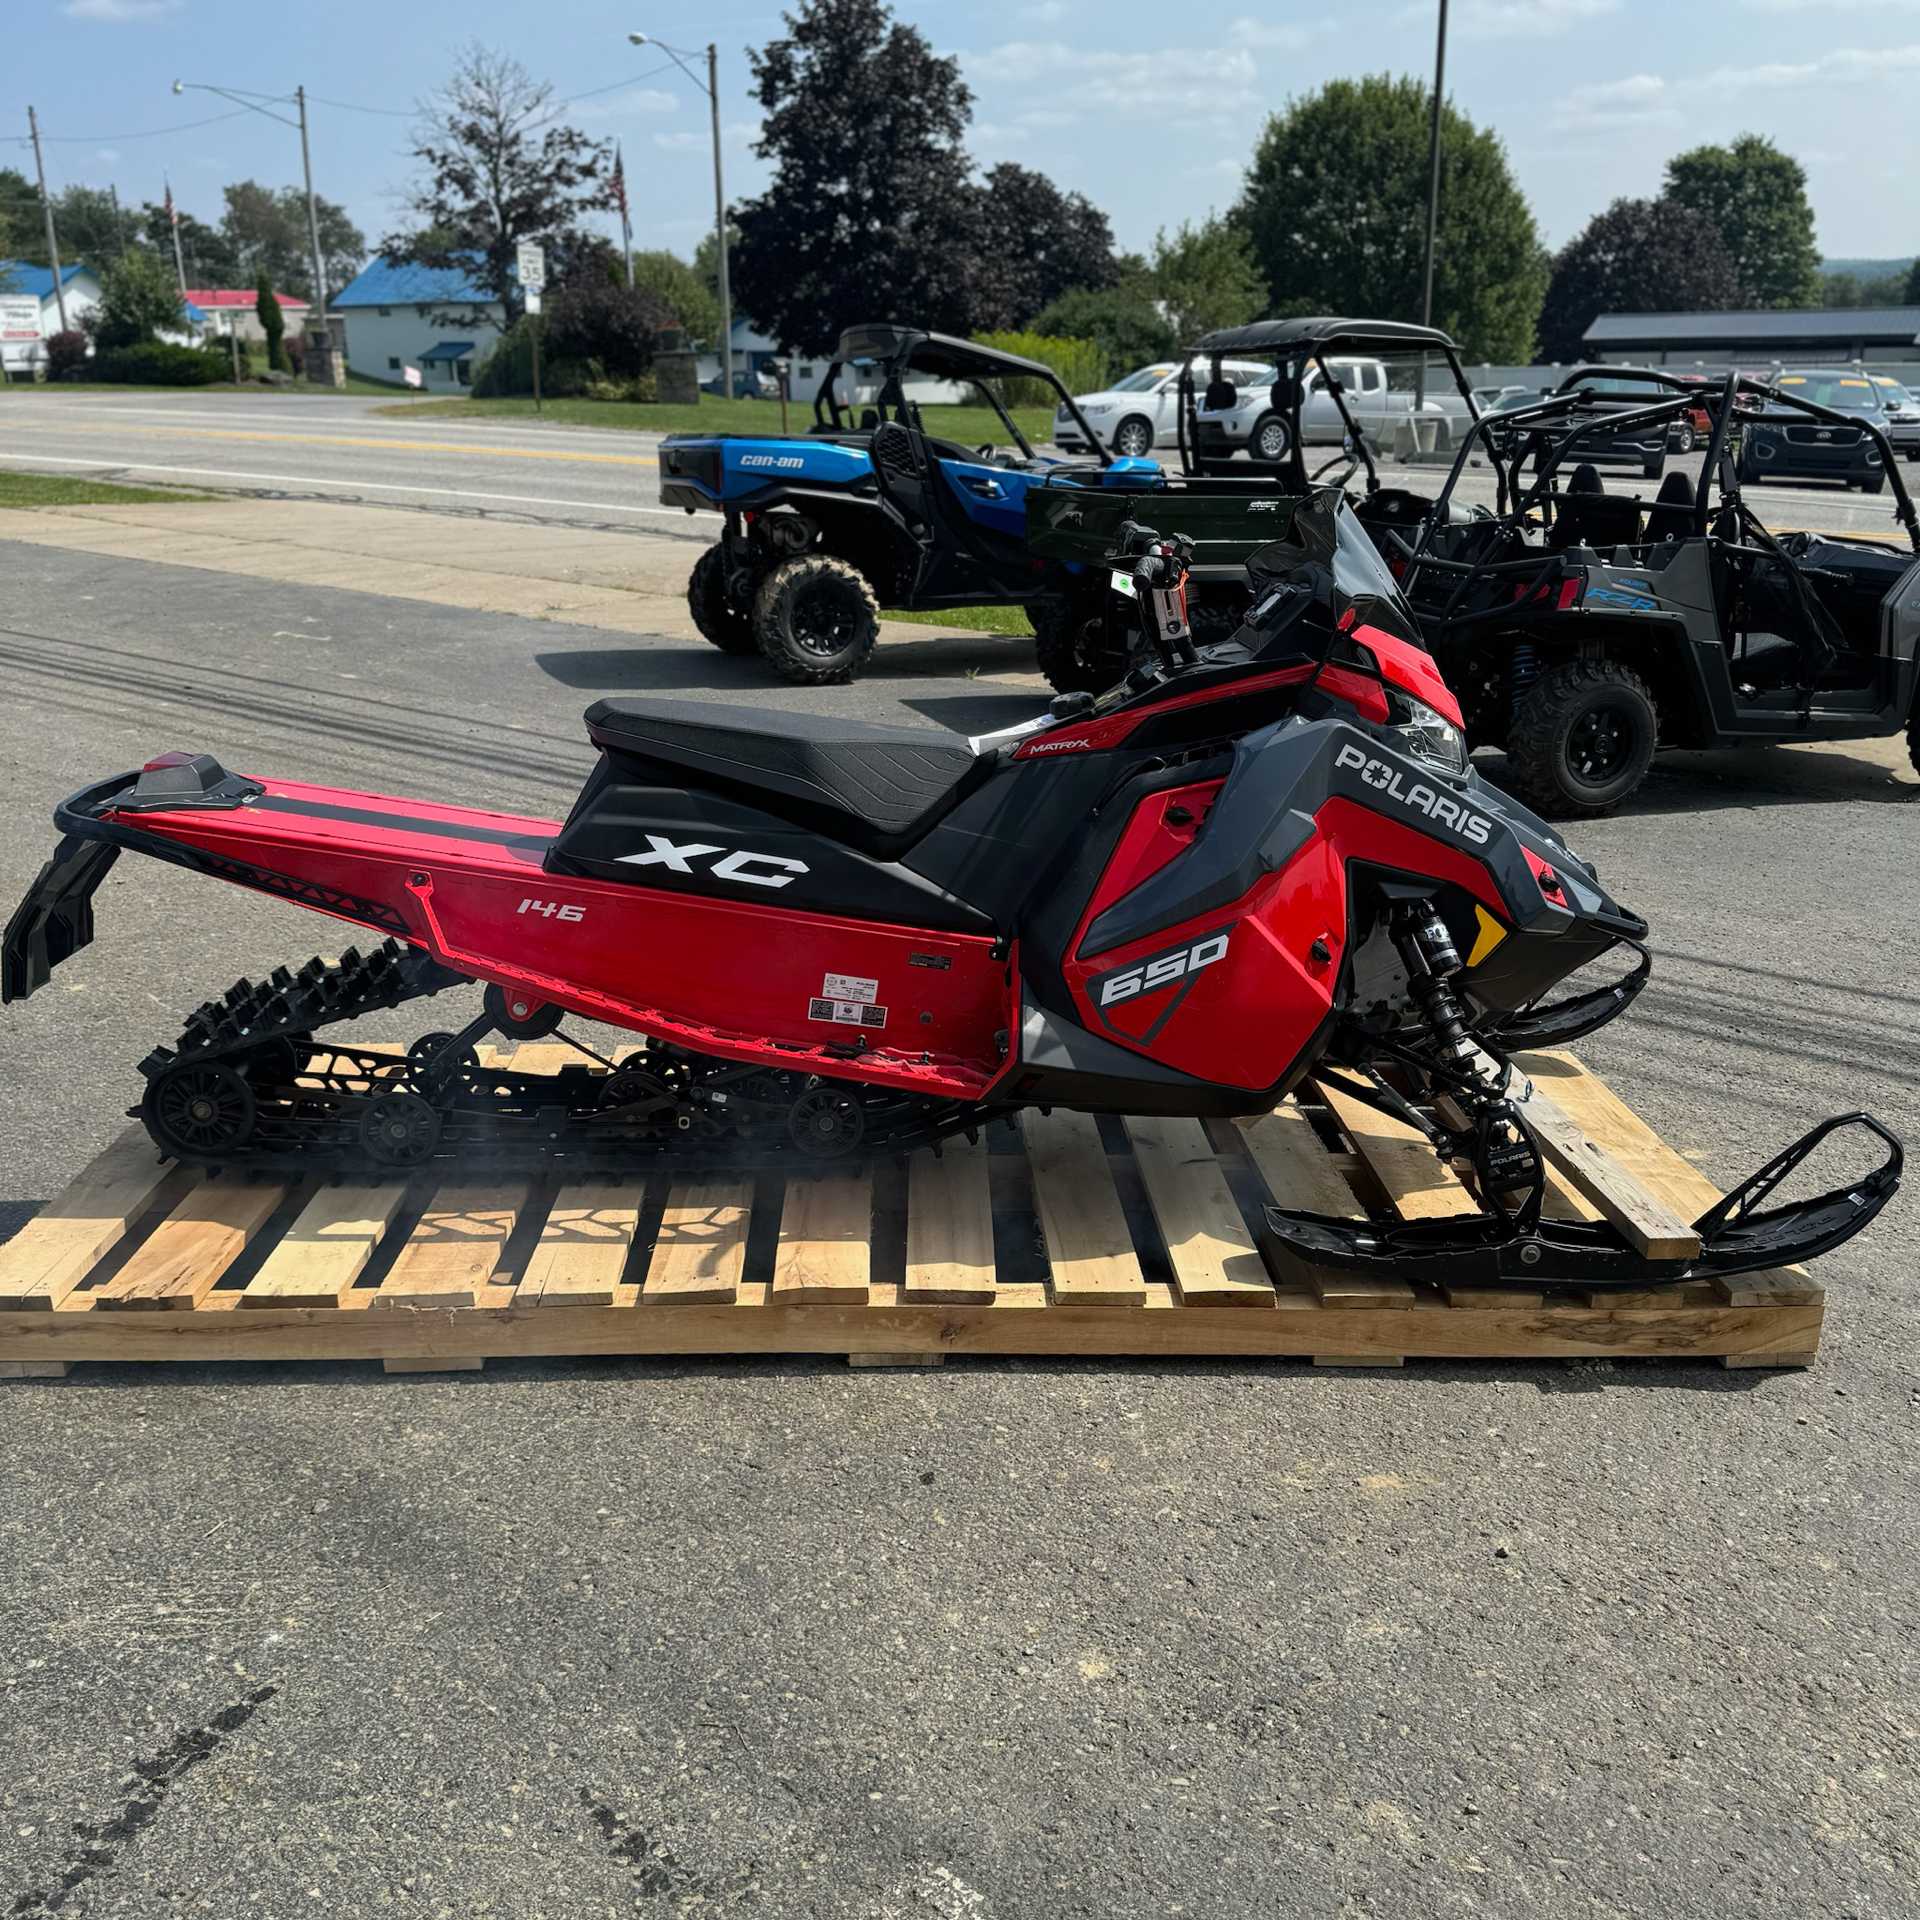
[[874, 787]]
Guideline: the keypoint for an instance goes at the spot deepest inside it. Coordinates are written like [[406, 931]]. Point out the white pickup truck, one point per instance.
[[1251, 423]]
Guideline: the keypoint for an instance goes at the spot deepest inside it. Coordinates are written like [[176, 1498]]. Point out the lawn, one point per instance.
[[1009, 620], [971, 426], [54, 490]]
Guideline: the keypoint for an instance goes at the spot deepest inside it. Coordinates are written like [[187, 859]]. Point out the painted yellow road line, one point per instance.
[[340, 440]]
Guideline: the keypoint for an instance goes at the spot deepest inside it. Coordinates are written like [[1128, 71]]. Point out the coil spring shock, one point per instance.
[[1522, 670]]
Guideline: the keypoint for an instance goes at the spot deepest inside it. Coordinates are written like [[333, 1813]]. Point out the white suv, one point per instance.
[[1141, 412]]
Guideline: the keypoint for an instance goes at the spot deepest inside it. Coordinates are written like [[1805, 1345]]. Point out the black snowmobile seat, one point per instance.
[[874, 787]]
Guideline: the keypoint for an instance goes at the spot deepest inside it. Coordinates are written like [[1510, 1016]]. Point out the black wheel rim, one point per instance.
[[400, 1129], [202, 1109], [826, 1123], [1600, 747], [824, 621]]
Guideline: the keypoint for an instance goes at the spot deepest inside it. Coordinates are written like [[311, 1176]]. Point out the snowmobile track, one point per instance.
[[1061, 1236]]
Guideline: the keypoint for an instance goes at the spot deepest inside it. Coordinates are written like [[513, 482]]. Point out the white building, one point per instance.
[[30, 314], [434, 320]]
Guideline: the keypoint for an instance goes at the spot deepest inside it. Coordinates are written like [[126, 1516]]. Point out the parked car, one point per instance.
[[1591, 397], [1782, 449], [1236, 411], [1901, 408], [1137, 414]]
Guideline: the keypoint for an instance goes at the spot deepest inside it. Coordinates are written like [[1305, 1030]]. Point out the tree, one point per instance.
[[1035, 242], [20, 237], [871, 213], [204, 252], [92, 226], [499, 169], [138, 300], [1336, 209], [1205, 277], [1849, 290], [1128, 329], [1639, 256], [1756, 196], [684, 291], [1911, 297], [273, 323], [266, 232]]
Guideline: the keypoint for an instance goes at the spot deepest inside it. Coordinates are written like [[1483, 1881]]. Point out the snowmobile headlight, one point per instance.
[[1428, 735]]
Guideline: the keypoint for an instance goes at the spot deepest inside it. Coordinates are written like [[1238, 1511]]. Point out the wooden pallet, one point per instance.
[[1056, 1235]]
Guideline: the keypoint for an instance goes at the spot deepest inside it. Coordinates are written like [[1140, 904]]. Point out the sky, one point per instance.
[[1591, 97]]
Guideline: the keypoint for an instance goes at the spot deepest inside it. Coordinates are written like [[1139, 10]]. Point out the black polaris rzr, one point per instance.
[[1582, 628]]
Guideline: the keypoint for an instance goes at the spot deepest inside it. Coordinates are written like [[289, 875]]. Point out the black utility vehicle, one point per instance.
[[1581, 629], [1840, 447]]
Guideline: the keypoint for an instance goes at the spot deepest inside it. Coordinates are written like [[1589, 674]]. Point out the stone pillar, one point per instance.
[[676, 369], [326, 353]]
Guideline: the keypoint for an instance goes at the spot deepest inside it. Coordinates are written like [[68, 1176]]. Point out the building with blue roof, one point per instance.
[[436, 322], [24, 329]]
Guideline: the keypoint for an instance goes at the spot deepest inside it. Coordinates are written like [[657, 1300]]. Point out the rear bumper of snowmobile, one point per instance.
[[1737, 1235]]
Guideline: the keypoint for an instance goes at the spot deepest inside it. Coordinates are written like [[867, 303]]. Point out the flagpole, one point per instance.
[[626, 223], [173, 220]]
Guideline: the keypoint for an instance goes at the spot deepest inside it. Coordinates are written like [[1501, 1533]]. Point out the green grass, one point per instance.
[[971, 426], [1011, 620], [54, 490]]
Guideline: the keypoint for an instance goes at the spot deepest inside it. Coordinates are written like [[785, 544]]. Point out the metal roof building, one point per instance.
[[1815, 335]]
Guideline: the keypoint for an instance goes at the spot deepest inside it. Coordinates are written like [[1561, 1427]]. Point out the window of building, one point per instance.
[[386, 313], [393, 362]]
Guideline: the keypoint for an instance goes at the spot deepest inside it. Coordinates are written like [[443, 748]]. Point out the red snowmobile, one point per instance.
[[1246, 863]]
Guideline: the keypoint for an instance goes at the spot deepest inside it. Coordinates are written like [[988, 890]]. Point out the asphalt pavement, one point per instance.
[[1005, 1639]]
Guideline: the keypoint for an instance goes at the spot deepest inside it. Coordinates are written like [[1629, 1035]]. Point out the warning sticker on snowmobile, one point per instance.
[[847, 1013], [847, 986]]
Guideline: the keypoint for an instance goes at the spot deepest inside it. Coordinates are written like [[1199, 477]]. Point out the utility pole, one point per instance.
[[1433, 195], [313, 217], [53, 250], [720, 227], [173, 221]]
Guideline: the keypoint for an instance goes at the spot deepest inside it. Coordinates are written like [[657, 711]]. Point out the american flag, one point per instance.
[[619, 192]]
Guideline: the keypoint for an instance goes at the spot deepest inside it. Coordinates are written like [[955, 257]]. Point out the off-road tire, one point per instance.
[[707, 601], [1067, 633], [1582, 739], [1133, 438], [816, 620], [1269, 441]]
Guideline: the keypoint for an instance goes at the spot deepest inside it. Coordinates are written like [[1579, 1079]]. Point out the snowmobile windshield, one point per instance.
[[1326, 535]]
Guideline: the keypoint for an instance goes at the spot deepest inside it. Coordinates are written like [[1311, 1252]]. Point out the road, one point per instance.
[[319, 446], [1004, 1640]]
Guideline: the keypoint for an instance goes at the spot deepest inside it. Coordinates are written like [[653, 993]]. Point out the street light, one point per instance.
[[298, 98], [711, 88]]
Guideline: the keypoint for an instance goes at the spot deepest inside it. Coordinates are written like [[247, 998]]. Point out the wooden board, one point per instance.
[[580, 1258], [1417, 1186], [327, 1248], [1090, 1251], [180, 1263], [826, 1234], [61, 1244], [701, 1248], [451, 1256], [950, 1225], [1215, 1262]]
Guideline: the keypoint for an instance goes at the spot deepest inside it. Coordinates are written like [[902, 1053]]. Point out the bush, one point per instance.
[[296, 350], [1126, 326], [273, 323], [66, 355], [154, 363], [137, 300], [590, 319], [1081, 365]]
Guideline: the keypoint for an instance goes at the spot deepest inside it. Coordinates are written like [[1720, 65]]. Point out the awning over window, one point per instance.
[[448, 350]]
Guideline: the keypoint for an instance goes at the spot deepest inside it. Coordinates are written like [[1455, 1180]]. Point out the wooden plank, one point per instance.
[[326, 1249], [1644, 1220], [1417, 1186], [702, 1244], [1300, 1173], [1089, 1245], [826, 1235], [950, 1224], [449, 1258], [33, 1369], [185, 1255], [1215, 1262], [583, 1247], [66, 1239]]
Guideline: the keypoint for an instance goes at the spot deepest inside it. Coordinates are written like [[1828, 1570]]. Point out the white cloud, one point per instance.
[[1504, 19], [1643, 99], [118, 9], [1829, 6], [1249, 32], [678, 142], [1146, 85]]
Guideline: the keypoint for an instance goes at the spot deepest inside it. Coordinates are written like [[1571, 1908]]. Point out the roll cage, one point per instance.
[[1550, 430], [899, 351], [1298, 346]]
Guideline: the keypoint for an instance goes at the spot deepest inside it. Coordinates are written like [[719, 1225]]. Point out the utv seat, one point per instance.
[[1671, 515], [874, 787], [1586, 515]]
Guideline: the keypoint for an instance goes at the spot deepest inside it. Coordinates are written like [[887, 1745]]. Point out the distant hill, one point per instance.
[[1867, 269]]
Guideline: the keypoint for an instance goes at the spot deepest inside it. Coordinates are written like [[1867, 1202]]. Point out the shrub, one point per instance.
[[590, 319], [1081, 365], [273, 323], [66, 355], [137, 300], [155, 363], [1127, 326], [296, 347]]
